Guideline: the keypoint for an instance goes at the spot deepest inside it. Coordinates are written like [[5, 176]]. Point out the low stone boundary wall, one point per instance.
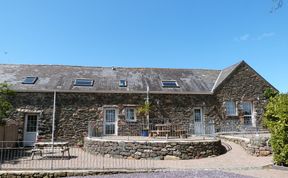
[[254, 146], [70, 173], [159, 150]]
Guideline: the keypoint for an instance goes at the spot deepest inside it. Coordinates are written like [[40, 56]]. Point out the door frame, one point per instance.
[[25, 126], [201, 123], [251, 115], [116, 121]]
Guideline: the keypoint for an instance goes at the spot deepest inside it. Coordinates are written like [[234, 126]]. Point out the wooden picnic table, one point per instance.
[[167, 130], [40, 147]]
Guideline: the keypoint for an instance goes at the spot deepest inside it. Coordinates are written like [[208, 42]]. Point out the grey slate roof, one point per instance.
[[224, 74], [60, 78]]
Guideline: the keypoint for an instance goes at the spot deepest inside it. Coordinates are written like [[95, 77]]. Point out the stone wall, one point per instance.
[[160, 150], [75, 110], [65, 173], [243, 85], [254, 146]]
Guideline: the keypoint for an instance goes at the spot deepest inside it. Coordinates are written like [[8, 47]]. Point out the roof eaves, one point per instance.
[[261, 77], [105, 91]]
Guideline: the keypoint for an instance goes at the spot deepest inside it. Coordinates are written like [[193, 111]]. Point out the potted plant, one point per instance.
[[143, 110]]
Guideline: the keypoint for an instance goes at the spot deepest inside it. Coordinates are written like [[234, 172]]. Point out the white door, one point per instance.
[[110, 121], [198, 122], [30, 129], [247, 109]]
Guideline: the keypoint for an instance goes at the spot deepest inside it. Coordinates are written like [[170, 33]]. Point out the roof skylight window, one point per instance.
[[30, 80], [83, 82], [122, 83], [170, 84]]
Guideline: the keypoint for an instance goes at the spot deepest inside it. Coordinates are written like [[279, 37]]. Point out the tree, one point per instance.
[[270, 93], [5, 105], [276, 5], [276, 119]]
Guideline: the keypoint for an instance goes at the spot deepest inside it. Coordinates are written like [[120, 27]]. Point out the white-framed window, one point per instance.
[[247, 108], [30, 80], [122, 83], [130, 114], [230, 107], [83, 82], [170, 84]]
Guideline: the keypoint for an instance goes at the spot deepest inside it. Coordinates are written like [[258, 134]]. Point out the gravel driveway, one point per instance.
[[175, 174]]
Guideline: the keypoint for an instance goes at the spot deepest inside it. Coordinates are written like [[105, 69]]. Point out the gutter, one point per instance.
[[120, 92]]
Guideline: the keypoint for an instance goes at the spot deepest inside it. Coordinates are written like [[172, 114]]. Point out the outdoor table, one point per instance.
[[39, 147], [162, 130], [168, 130]]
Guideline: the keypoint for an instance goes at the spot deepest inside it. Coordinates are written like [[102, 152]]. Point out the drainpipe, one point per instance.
[[147, 101], [53, 127], [53, 119]]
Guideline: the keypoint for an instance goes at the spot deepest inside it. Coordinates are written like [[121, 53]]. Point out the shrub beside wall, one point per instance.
[[276, 119]]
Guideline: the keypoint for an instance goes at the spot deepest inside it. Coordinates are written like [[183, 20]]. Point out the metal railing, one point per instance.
[[244, 131], [14, 156], [159, 129]]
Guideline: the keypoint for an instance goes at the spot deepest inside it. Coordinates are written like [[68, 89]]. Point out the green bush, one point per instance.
[[270, 93], [276, 119], [5, 105]]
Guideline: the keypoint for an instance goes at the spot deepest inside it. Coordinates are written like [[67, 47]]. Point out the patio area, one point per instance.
[[20, 159]]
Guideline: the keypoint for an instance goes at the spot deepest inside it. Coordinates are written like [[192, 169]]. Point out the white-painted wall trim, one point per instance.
[[216, 82]]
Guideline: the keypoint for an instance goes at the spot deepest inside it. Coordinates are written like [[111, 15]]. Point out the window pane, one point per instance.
[[130, 114], [30, 80], [31, 123], [110, 115], [122, 83], [169, 84], [247, 108], [230, 108], [110, 129], [197, 113], [83, 82], [247, 120]]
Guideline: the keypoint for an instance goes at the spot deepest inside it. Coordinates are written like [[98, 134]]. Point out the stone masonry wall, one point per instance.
[[243, 85], [75, 110], [254, 146], [155, 150]]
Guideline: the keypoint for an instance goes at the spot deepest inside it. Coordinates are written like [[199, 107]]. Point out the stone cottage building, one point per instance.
[[199, 100]]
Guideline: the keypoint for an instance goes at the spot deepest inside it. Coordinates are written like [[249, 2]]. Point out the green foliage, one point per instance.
[[144, 109], [5, 105], [270, 93], [276, 119]]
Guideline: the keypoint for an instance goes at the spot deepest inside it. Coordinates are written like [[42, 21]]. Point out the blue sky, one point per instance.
[[147, 33]]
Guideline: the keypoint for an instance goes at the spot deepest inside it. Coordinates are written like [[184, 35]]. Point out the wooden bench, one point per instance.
[[50, 148]]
